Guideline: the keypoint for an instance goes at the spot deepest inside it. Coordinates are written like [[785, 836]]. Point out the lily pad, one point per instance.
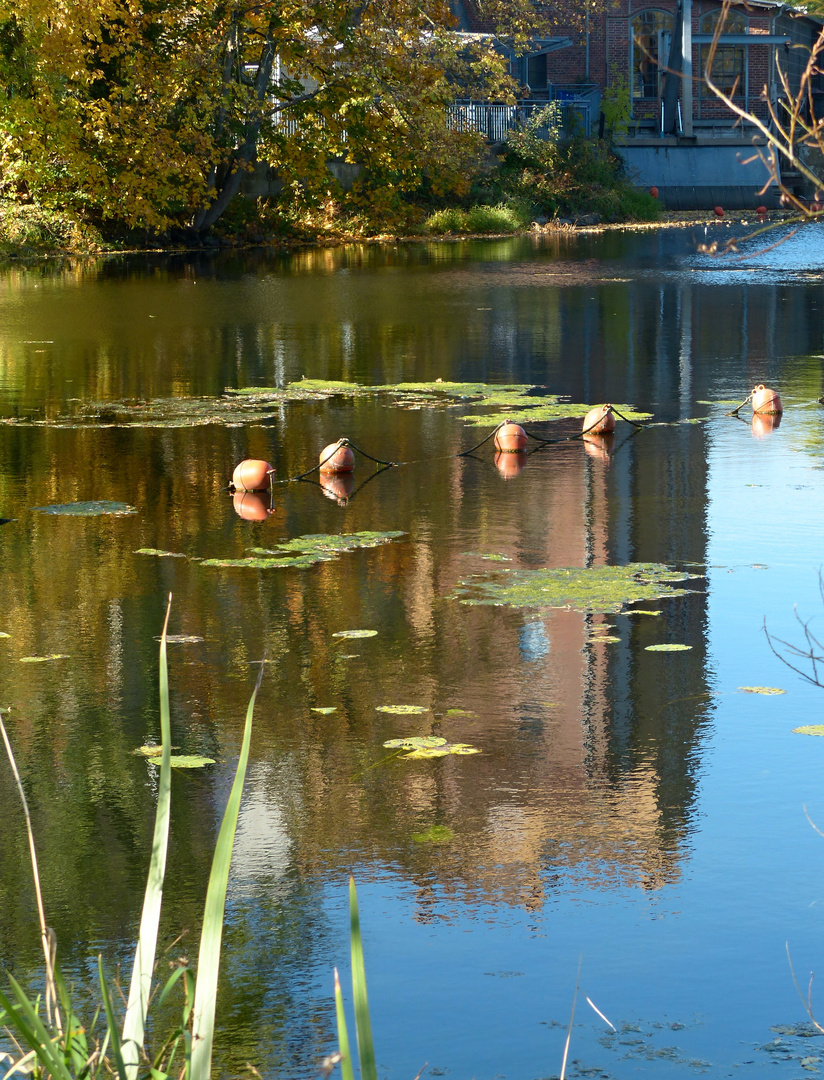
[[435, 834], [160, 554], [186, 761], [305, 551], [762, 690], [416, 742], [441, 751], [356, 633], [401, 710], [324, 710], [668, 648], [594, 589], [809, 729], [95, 508], [43, 659], [148, 751]]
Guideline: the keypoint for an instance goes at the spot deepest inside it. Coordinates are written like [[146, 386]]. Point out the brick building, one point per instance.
[[681, 137]]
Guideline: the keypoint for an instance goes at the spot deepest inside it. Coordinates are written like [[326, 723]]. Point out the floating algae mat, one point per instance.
[[87, 509], [257, 403], [596, 589], [307, 550]]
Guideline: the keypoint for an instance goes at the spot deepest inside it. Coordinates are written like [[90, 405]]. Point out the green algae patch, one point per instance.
[[159, 553], [435, 834], [526, 410], [402, 710], [305, 551], [809, 729], [95, 508], [768, 690], [668, 647], [604, 589]]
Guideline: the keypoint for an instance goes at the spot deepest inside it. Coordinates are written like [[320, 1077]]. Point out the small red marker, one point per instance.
[[654, 192], [719, 211]]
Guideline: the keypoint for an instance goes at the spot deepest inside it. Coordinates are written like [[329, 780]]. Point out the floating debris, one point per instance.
[[356, 633], [594, 589], [809, 729], [95, 508], [324, 710], [305, 551], [182, 639], [402, 710], [43, 659], [762, 690], [667, 648]]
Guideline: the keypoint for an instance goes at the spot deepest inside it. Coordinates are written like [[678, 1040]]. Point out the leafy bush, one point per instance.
[[29, 228], [477, 219]]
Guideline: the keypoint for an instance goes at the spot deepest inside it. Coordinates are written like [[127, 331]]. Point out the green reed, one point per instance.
[[59, 1045]]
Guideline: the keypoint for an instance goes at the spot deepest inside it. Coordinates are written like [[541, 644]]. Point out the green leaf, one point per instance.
[[141, 984], [363, 1025], [23, 1017], [762, 690], [111, 1022], [347, 1071], [208, 964], [356, 633], [401, 710], [668, 648]]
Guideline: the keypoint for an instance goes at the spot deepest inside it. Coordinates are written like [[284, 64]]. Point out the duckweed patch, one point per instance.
[[435, 834], [257, 404], [95, 508], [596, 589], [305, 551]]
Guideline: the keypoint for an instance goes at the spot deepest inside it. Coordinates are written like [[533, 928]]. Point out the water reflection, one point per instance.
[[592, 751]]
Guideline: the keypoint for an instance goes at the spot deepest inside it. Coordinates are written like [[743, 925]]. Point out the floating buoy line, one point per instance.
[[253, 480]]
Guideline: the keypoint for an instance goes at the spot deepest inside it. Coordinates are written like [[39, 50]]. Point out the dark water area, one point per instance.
[[633, 810]]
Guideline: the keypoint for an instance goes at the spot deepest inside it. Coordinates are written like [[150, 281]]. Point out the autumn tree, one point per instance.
[[150, 112]]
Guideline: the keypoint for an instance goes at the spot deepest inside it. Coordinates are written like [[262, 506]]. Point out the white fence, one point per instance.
[[578, 106]]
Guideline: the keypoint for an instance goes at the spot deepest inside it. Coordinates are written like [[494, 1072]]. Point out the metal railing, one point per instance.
[[577, 104]]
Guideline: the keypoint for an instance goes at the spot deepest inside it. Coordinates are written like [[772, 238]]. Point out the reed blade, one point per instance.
[[137, 1007], [111, 1022], [23, 1017], [347, 1072], [363, 1025], [208, 963]]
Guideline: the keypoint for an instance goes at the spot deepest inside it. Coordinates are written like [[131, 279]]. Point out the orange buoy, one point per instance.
[[599, 446], [252, 506], [252, 475], [510, 463], [599, 420], [337, 458], [764, 424], [510, 438], [765, 400], [718, 211], [654, 192], [337, 487]]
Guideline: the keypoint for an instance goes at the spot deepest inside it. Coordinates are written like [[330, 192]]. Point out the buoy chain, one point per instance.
[[748, 398], [363, 453]]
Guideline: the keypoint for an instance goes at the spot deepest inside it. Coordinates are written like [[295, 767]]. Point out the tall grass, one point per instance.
[[69, 1050], [478, 219]]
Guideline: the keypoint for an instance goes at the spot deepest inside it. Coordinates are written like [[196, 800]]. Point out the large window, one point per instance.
[[729, 68], [651, 36]]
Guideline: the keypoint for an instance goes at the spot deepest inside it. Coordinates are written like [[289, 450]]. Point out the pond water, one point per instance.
[[630, 810]]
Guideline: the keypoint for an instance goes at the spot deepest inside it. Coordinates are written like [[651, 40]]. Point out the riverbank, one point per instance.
[[29, 233]]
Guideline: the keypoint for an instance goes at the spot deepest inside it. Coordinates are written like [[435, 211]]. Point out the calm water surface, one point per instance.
[[632, 810]]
